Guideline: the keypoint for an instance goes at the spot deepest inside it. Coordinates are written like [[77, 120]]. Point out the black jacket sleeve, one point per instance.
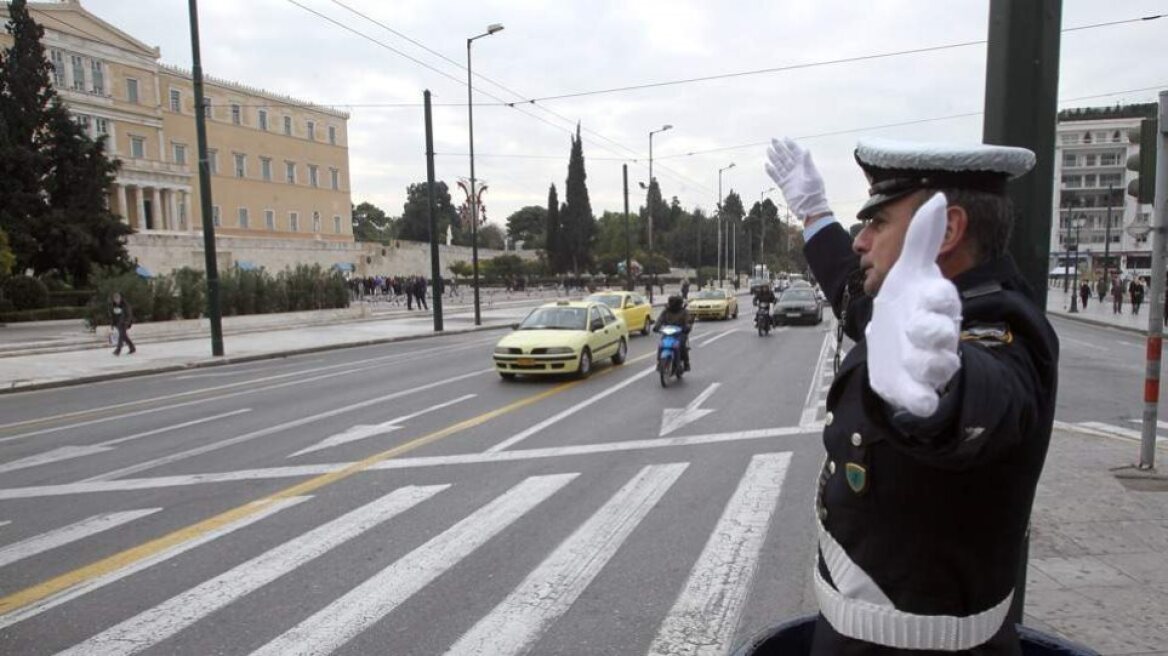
[[837, 268]]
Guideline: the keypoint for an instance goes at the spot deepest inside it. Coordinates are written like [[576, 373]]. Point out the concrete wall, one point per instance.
[[163, 253]]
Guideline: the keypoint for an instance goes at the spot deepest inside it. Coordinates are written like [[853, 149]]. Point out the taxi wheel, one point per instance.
[[648, 325], [585, 368], [506, 376], [622, 353]]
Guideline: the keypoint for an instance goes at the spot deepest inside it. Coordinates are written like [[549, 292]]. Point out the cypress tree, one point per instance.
[[578, 222], [552, 242]]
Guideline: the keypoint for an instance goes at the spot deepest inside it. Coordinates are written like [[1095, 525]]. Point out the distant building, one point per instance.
[[1092, 149], [279, 166]]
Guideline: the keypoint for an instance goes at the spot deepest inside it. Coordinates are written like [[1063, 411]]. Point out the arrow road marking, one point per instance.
[[675, 418], [362, 431]]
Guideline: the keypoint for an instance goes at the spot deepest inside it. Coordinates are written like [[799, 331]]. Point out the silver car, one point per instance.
[[798, 304]]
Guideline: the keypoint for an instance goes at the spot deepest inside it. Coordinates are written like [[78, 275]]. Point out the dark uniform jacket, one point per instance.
[[935, 510], [681, 319]]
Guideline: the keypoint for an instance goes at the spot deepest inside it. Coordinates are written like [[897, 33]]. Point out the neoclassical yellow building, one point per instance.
[[279, 166]]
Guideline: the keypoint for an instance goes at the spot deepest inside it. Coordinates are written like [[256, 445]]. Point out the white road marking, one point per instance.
[[376, 597], [152, 626], [675, 418], [1118, 430], [552, 587], [811, 404], [1082, 343], [71, 452], [363, 431], [704, 617], [559, 416], [1159, 424], [716, 338], [91, 526], [303, 471], [231, 441], [5, 522], [92, 584]]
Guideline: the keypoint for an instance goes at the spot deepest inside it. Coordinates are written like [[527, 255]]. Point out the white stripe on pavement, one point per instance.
[[66, 534], [811, 404], [716, 338], [345, 618], [704, 617], [168, 618], [186, 424], [363, 431], [559, 416], [89, 585], [552, 587]]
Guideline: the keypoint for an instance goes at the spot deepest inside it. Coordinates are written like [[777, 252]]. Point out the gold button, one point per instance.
[[857, 440], [828, 419], [831, 466]]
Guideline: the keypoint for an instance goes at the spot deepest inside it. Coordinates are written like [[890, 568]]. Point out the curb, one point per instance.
[[1098, 322], [203, 364]]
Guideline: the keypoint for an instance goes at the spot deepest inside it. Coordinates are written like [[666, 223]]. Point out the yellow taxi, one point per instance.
[[561, 338], [630, 306], [714, 304]]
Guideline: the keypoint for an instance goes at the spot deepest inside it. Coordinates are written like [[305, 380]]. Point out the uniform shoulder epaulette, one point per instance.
[[984, 289], [990, 334]]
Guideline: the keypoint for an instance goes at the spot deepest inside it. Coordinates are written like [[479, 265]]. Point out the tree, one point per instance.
[[461, 268], [660, 214], [7, 259], [414, 223], [552, 241], [528, 225], [54, 179], [507, 267], [371, 224], [491, 236], [579, 225], [612, 235], [732, 213]]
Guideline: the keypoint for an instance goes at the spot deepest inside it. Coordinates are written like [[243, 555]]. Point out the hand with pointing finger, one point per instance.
[[916, 320]]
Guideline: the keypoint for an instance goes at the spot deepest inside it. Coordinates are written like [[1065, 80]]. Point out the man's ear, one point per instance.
[[956, 224]]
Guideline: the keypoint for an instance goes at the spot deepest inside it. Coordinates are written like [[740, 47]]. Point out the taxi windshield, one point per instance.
[[611, 300], [711, 293], [555, 318]]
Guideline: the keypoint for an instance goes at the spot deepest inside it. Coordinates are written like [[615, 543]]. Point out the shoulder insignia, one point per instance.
[[856, 476], [988, 334], [984, 289]]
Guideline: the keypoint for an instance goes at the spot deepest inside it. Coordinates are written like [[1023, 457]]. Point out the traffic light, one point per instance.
[[1143, 187]]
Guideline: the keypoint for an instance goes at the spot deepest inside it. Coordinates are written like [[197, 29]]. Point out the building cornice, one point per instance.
[[254, 91]]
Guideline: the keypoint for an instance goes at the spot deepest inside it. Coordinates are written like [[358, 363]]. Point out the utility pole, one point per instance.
[[628, 237], [1156, 312], [1107, 242], [432, 214]]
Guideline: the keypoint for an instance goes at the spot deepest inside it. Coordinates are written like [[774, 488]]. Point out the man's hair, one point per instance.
[[991, 219]]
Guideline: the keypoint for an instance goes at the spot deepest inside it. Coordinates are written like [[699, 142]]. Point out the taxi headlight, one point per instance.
[[559, 350], [502, 350]]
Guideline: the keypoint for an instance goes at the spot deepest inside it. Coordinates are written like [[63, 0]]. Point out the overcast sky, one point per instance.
[[568, 46]]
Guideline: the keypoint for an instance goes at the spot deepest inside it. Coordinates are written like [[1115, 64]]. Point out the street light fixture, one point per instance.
[[649, 203], [1077, 223], [474, 213], [721, 260]]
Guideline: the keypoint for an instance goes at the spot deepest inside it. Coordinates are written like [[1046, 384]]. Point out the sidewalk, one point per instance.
[[1059, 303]]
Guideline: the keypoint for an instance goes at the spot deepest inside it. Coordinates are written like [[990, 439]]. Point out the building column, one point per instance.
[[140, 200], [172, 209], [123, 208], [156, 209]]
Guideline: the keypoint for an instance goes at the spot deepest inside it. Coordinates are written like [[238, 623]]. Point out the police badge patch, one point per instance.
[[856, 476]]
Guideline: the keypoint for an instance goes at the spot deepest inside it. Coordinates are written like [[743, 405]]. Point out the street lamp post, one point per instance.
[[1078, 223], [474, 213], [651, 262], [762, 226], [1107, 242], [721, 259]]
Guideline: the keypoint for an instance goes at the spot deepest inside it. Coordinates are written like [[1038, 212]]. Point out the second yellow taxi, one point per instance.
[[561, 338], [630, 306], [714, 304]]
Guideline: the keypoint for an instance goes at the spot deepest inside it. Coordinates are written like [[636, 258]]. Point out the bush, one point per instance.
[[136, 290], [165, 301], [191, 299], [70, 298], [45, 314], [26, 293]]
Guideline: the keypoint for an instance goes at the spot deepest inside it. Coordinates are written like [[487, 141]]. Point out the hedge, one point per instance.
[[44, 314]]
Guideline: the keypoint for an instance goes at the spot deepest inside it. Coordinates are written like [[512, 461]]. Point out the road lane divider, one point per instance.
[[362, 431]]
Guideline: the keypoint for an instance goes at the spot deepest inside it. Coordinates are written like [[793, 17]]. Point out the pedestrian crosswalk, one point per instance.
[[702, 618]]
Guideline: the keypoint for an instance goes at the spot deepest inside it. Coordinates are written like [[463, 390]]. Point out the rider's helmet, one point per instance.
[[674, 303]]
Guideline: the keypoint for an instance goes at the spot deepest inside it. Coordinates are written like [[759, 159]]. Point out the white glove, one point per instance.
[[791, 168], [916, 320]]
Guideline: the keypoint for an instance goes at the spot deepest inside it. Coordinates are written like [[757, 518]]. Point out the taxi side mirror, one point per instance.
[[514, 326]]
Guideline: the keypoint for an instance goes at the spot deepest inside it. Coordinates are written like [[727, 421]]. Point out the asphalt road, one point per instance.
[[404, 499]]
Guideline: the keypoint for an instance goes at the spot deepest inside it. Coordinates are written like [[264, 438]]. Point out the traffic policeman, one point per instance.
[[940, 415]]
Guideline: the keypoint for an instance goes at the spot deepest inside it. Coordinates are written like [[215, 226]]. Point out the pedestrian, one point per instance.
[[1084, 293], [684, 289], [1101, 288], [939, 417], [420, 292], [409, 289], [1136, 291], [122, 319], [1117, 296]]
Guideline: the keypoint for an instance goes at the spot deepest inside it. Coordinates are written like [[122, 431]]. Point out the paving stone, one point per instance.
[[1080, 571], [1113, 635], [1061, 602], [1146, 567]]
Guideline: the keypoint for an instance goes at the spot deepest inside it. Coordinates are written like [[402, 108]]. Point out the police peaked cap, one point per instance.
[[898, 168]]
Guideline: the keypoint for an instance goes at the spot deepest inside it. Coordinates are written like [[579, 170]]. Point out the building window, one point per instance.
[[1115, 137], [236, 114], [1070, 139], [243, 218], [1068, 160], [1110, 179], [213, 161], [266, 168], [83, 122], [98, 74], [101, 126], [176, 101], [1090, 160], [58, 67], [215, 217], [337, 224], [1109, 159], [312, 181], [290, 172], [288, 125], [240, 165], [1072, 181], [131, 89], [138, 147], [180, 154], [333, 134], [294, 221], [79, 74], [335, 177], [263, 116], [270, 219], [316, 221], [311, 131], [207, 106]]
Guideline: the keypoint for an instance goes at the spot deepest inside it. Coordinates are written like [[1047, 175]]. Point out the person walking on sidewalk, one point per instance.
[[1116, 296], [122, 319], [1084, 294], [1101, 288], [1136, 291], [939, 417], [420, 292]]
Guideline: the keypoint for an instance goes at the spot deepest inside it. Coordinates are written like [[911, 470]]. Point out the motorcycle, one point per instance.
[[669, 364], [762, 319]]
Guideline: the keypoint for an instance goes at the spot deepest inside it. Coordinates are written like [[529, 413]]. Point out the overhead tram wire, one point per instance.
[[637, 157]]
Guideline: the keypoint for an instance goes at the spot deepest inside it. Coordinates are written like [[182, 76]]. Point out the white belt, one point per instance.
[[867, 615]]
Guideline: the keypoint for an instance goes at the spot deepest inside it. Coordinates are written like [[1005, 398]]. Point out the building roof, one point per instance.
[[276, 98], [69, 17], [1143, 110]]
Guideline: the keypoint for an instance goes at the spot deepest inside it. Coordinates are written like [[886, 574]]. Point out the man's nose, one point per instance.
[[861, 243]]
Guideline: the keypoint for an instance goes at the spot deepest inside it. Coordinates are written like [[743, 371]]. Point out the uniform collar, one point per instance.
[[1001, 271]]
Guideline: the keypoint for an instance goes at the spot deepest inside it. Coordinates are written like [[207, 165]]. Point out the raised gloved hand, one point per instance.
[[790, 166], [916, 320]]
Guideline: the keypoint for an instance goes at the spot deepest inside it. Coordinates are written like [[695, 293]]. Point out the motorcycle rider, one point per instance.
[[764, 297], [675, 314]]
